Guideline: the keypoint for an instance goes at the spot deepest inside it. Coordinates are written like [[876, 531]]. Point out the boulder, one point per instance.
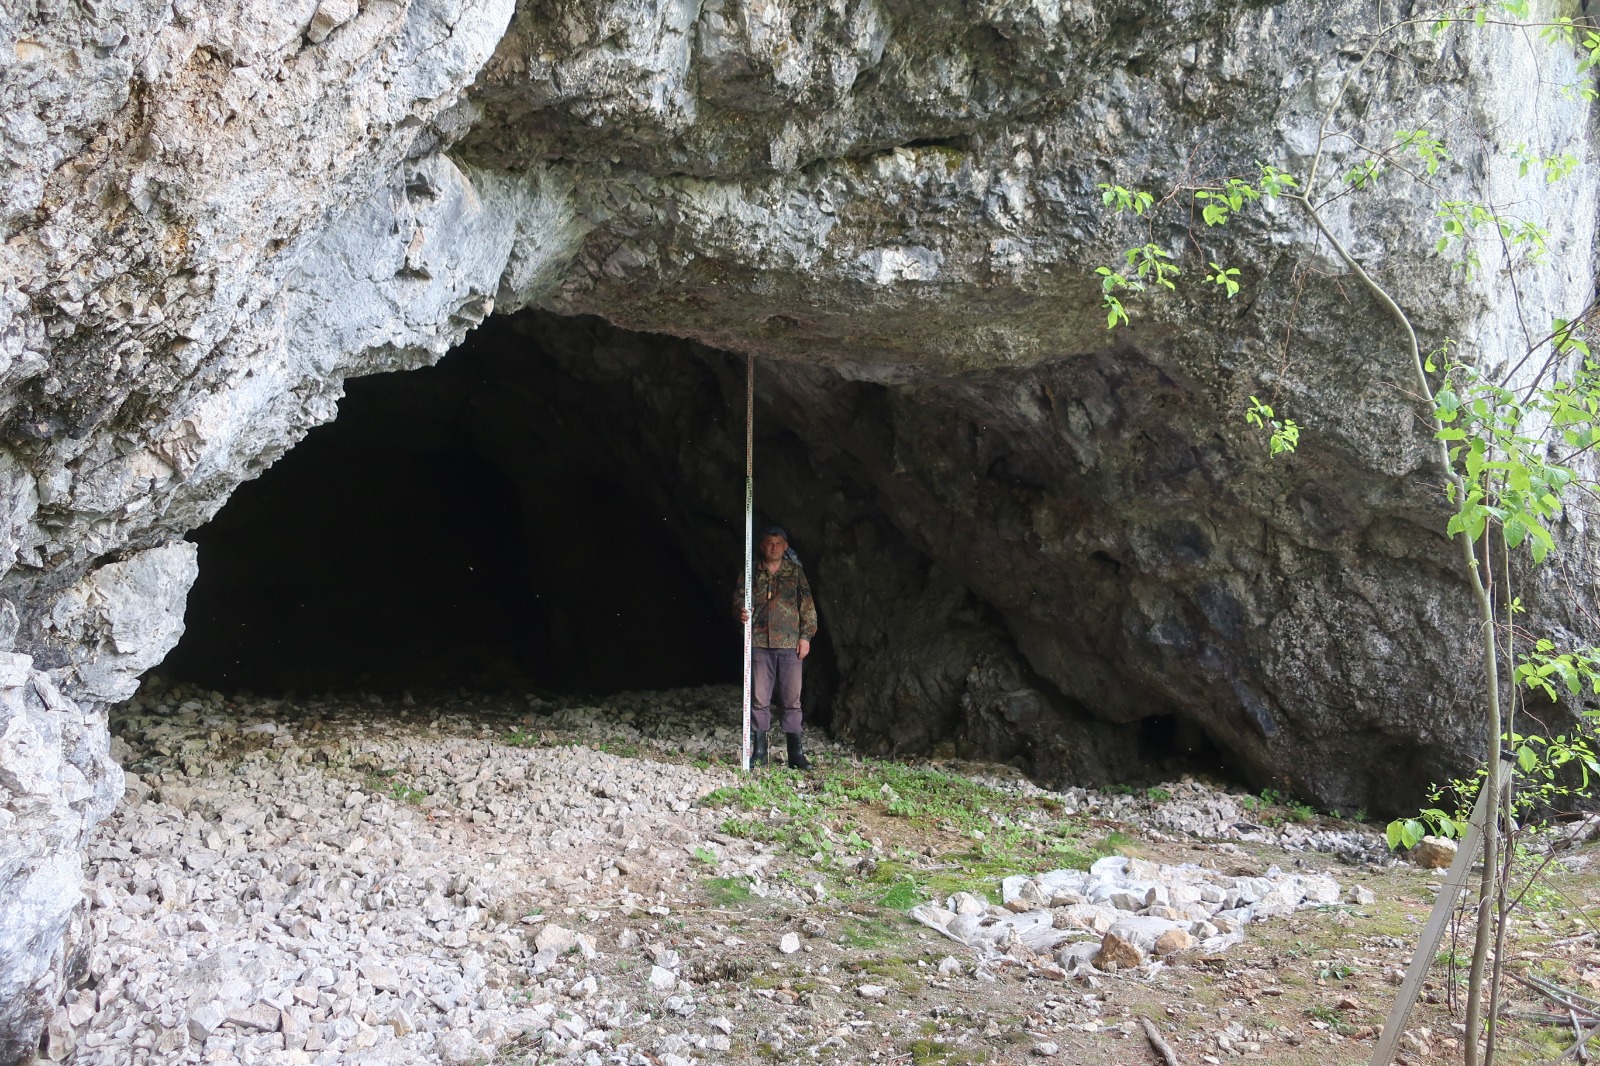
[[1434, 853], [1173, 940], [1117, 953]]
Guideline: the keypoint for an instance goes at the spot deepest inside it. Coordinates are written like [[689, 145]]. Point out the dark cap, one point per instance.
[[775, 531]]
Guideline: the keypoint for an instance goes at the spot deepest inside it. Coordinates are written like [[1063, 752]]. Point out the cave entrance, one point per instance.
[[556, 509], [500, 521]]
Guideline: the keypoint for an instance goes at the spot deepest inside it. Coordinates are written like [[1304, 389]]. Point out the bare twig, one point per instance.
[[1592, 1006], [1578, 1048], [1571, 940], [1160, 1045], [1555, 996]]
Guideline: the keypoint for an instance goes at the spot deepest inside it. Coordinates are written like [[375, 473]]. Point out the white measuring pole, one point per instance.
[[749, 534], [1454, 882]]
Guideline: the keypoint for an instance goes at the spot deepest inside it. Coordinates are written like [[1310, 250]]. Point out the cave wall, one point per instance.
[[214, 214]]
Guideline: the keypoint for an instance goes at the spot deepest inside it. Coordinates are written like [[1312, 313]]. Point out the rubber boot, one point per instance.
[[758, 750], [797, 758]]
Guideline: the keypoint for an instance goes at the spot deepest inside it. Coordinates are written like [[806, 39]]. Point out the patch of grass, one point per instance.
[[384, 781], [706, 855], [1331, 1017], [1548, 1041], [1112, 843], [1334, 971], [727, 891], [1157, 795], [821, 818], [902, 896], [519, 738], [867, 933], [931, 1052]]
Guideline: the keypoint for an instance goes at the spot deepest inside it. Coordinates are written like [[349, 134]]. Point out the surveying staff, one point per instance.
[[785, 622]]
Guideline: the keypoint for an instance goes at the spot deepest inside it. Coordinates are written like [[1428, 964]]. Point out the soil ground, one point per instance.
[[852, 844]]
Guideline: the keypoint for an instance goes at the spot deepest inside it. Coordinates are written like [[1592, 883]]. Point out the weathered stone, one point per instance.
[[1319, 890], [383, 978], [1434, 853], [330, 15], [456, 1047], [555, 938], [1118, 954], [261, 1016], [1087, 916], [969, 904], [1173, 940], [205, 1018]]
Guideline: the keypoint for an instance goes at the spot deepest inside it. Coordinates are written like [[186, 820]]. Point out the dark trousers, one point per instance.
[[780, 666]]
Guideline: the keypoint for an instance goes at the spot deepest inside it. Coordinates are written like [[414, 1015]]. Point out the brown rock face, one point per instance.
[[1117, 953], [1173, 940]]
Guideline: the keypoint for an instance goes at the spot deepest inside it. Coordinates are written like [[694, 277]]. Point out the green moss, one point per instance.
[[902, 896], [821, 818], [727, 891], [937, 1053]]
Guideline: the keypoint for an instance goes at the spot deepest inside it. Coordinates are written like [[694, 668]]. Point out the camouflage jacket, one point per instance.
[[781, 609]]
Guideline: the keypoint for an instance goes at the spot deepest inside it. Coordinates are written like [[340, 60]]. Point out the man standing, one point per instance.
[[785, 622]]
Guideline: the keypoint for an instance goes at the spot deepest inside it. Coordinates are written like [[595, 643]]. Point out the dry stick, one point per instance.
[[1578, 1048], [1557, 995], [1577, 1031], [1571, 940], [1163, 1048], [1590, 1005], [1502, 895]]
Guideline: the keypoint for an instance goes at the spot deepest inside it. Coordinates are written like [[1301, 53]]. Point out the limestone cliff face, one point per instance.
[[214, 213], [208, 221]]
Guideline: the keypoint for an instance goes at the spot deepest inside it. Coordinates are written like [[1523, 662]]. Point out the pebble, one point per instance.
[[790, 943]]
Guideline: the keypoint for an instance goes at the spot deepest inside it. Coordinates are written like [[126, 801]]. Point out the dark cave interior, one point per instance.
[[430, 537], [556, 508]]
